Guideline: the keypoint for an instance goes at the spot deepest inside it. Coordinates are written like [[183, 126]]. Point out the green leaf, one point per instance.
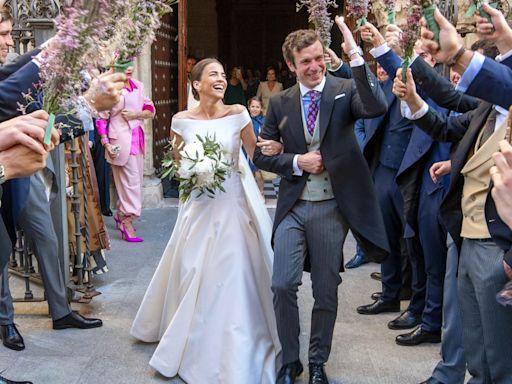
[[471, 11]]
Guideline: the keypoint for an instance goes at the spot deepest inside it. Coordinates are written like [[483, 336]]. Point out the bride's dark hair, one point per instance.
[[197, 73]]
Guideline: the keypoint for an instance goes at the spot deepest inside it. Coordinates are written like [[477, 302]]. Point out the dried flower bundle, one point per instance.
[[411, 33], [137, 28], [390, 6], [82, 25], [319, 17], [358, 9]]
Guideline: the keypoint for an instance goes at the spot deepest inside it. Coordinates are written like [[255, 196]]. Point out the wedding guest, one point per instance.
[[235, 92], [191, 102], [501, 174], [269, 88], [255, 110], [122, 136], [253, 83]]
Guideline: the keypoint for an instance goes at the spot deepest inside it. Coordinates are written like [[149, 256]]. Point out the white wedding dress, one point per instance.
[[209, 303]]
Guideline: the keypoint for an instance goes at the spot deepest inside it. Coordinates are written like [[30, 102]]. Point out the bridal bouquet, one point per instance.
[[201, 167]]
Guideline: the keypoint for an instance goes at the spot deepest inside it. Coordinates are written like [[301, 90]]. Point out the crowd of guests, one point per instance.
[[440, 159]]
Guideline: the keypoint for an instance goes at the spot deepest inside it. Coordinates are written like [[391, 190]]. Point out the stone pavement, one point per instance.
[[364, 351]]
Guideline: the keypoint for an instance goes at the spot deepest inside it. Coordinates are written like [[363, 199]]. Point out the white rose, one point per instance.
[[186, 169], [193, 150], [205, 170]]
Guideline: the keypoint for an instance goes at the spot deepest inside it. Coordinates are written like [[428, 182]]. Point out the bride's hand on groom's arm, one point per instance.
[[269, 147]]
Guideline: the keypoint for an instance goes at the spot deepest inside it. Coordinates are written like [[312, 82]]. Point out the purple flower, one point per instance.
[[320, 17]]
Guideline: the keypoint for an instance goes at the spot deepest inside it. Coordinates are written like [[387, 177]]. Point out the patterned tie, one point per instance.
[[314, 97]]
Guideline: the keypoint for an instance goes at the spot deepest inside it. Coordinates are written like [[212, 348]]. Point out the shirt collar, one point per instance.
[[304, 89]]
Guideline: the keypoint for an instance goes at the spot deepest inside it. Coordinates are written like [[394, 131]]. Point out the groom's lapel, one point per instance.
[[291, 104], [326, 105]]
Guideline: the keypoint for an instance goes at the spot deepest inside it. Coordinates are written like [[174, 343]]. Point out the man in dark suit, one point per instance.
[[325, 186], [483, 240], [26, 202], [20, 155]]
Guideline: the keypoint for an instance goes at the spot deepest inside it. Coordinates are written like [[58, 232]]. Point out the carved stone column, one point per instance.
[[152, 195]]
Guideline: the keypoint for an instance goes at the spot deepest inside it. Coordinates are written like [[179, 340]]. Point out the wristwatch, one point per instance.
[[355, 50], [2, 174]]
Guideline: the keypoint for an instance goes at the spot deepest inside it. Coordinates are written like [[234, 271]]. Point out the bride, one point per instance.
[[209, 303]]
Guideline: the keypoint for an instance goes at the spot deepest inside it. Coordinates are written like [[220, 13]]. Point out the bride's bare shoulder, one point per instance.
[[182, 115], [236, 109]]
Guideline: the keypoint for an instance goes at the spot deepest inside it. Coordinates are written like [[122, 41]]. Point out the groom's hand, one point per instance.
[[311, 162]]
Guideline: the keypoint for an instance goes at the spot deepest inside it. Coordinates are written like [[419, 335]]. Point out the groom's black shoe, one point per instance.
[[76, 320], [289, 372], [317, 374]]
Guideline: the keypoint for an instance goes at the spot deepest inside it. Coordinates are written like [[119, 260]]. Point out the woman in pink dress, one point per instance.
[[123, 138]]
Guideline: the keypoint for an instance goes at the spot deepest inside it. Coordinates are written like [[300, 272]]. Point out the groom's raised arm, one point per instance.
[[368, 99], [282, 163]]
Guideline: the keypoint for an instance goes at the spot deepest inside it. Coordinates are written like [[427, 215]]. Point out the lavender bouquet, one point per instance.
[[358, 9], [137, 29], [389, 6], [411, 33], [80, 27], [319, 17]]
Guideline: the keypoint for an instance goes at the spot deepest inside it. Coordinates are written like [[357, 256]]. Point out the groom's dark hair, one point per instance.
[[298, 40]]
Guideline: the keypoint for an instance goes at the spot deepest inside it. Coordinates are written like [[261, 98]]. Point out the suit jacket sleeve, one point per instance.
[[281, 164], [368, 99], [13, 87], [440, 89], [9, 69], [493, 83], [344, 71], [443, 128]]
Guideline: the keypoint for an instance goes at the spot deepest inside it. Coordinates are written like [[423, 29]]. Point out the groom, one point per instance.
[[326, 189]]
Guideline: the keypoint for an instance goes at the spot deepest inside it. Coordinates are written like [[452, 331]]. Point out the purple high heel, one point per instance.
[[126, 236]]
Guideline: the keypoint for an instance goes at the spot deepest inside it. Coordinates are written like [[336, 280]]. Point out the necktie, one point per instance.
[[314, 97], [488, 128]]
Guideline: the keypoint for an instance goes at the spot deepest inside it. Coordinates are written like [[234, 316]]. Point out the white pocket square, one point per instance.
[[339, 96]]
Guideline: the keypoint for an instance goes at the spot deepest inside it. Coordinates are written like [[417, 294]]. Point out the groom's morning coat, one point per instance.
[[343, 101]]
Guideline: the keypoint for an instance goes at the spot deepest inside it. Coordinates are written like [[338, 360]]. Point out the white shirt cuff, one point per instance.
[[296, 170], [380, 50], [475, 65], [406, 111], [357, 62], [506, 55]]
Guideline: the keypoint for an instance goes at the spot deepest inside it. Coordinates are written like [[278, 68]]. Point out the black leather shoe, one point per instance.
[[76, 320], [376, 276], [418, 336], [431, 380], [289, 372], [379, 306], [106, 212], [407, 320], [358, 260], [3, 380], [11, 338], [317, 374]]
